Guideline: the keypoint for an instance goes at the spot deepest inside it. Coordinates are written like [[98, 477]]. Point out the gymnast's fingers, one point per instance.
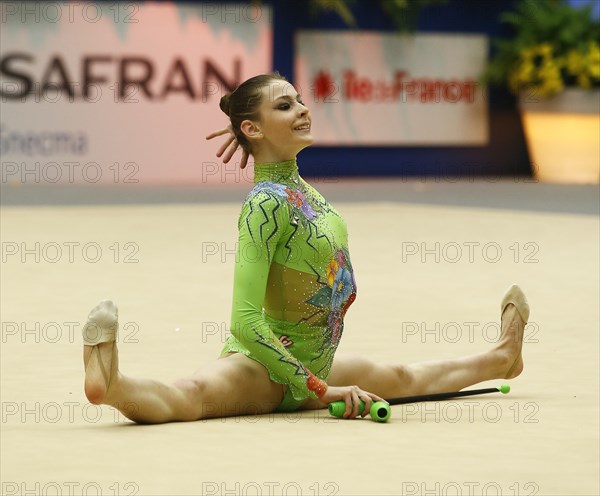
[[217, 133], [232, 149], [224, 146], [349, 404], [368, 402], [244, 161], [355, 402], [377, 398]]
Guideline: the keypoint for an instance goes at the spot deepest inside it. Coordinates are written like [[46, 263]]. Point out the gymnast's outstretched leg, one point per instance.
[[439, 376], [233, 385]]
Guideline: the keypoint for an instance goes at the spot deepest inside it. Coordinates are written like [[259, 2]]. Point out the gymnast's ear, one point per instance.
[[251, 130]]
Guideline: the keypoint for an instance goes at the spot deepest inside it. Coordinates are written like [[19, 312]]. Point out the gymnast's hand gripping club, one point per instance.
[[381, 411]]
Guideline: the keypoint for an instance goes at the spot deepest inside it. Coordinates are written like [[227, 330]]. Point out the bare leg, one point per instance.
[[234, 385], [455, 374], [435, 376]]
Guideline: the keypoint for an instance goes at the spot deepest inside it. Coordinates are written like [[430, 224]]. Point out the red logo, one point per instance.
[[400, 88], [324, 85]]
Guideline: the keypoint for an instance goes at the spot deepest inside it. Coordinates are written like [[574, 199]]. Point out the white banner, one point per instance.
[[121, 92], [387, 89]]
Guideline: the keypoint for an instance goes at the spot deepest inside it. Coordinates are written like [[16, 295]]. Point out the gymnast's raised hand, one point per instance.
[[231, 143]]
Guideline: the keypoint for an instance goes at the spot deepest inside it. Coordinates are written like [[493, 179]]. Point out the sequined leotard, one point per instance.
[[293, 281]]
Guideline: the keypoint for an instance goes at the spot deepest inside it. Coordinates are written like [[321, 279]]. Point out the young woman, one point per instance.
[[293, 284]]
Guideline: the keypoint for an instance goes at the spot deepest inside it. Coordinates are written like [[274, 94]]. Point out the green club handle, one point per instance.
[[380, 410]]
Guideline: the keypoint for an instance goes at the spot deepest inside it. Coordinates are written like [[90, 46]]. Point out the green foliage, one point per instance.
[[554, 45], [403, 13], [340, 7]]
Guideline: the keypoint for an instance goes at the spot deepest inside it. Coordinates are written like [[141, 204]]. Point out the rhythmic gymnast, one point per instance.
[[293, 284]]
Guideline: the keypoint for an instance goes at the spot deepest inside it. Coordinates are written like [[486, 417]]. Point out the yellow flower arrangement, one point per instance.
[[555, 46]]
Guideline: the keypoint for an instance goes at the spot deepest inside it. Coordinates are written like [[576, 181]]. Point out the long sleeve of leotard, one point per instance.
[[263, 223]]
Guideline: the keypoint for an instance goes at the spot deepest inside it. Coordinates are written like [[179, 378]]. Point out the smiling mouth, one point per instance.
[[305, 127]]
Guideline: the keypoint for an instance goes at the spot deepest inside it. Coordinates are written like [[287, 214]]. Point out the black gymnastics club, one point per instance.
[[504, 389], [381, 411]]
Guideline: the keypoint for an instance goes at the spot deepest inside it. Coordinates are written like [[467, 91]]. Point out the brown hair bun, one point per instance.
[[225, 103]]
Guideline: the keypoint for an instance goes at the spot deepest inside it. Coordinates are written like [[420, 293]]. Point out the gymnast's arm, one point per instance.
[[262, 223]]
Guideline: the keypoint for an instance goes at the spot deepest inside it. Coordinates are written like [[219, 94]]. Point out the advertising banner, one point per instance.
[[121, 92], [387, 89]]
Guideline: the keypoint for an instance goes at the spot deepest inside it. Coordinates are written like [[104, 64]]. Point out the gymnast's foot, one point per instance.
[[514, 315], [100, 356]]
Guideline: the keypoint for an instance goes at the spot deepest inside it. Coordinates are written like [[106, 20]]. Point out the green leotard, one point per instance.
[[293, 281]]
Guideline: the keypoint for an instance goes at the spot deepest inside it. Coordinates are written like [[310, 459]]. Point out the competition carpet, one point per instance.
[[432, 262]]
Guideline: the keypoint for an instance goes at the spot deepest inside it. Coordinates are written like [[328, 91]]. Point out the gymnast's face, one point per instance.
[[284, 125]]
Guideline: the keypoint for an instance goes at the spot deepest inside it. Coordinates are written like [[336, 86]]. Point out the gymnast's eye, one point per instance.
[[284, 106]]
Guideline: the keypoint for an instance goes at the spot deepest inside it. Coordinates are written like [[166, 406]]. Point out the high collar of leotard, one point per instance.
[[277, 172]]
